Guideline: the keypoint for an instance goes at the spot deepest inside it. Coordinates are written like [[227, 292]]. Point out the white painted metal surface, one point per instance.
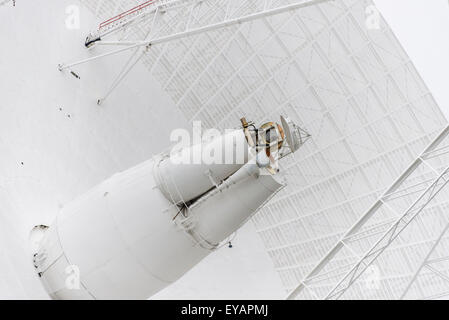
[[122, 238], [188, 31], [183, 174], [350, 84], [344, 78], [125, 239], [417, 192], [50, 121], [215, 221]]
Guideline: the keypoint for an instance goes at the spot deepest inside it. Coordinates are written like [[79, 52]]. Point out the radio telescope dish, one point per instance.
[[353, 87]]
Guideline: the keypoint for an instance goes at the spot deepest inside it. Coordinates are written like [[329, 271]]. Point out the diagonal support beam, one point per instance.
[[388, 237], [367, 215], [196, 31], [425, 262]]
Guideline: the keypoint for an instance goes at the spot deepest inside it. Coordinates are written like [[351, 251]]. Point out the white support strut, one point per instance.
[[425, 262], [187, 33], [368, 214], [389, 236]]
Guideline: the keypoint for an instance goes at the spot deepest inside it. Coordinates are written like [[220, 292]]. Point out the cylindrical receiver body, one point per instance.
[[121, 238], [121, 241], [191, 171], [228, 207]]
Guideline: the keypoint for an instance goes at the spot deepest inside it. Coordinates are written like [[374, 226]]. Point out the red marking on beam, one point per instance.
[[126, 13]]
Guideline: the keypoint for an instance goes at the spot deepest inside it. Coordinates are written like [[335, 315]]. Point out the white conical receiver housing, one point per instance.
[[192, 171], [128, 239]]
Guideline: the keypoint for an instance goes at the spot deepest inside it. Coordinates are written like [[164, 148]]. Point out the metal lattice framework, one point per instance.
[[351, 86], [435, 261], [413, 194]]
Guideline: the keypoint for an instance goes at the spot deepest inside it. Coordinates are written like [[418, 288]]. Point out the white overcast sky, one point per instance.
[[422, 27]]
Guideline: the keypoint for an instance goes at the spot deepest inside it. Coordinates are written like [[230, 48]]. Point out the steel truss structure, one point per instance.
[[192, 24], [412, 193], [437, 250], [350, 84]]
